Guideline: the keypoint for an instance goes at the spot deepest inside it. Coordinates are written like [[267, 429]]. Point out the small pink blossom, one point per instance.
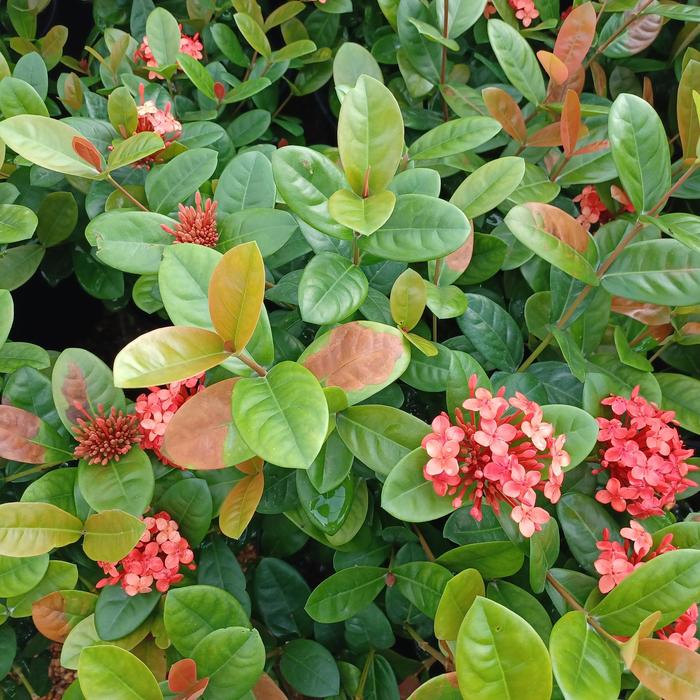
[[530, 518]]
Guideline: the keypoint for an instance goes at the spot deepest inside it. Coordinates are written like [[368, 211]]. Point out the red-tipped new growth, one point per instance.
[[196, 225], [498, 457], [103, 438], [157, 557], [618, 560], [644, 456]]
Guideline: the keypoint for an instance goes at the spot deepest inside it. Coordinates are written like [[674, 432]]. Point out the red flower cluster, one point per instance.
[[196, 225], [644, 455], [157, 557], [525, 10], [156, 409], [592, 209], [103, 438], [496, 456], [617, 561], [191, 45]]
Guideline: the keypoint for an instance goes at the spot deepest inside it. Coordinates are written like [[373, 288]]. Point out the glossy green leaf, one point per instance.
[[20, 574], [583, 664], [58, 217], [454, 137], [60, 575], [167, 355], [19, 98], [245, 183], [680, 394], [640, 151], [443, 687], [331, 289], [253, 33], [423, 583], [544, 550], [283, 417], [345, 593], [198, 74], [163, 36], [29, 529], [408, 299], [370, 136], [459, 594], [134, 149], [580, 428], [269, 228], [310, 669], [17, 223], [461, 15], [117, 613], [490, 559], [522, 603], [111, 535], [446, 302], [364, 215]]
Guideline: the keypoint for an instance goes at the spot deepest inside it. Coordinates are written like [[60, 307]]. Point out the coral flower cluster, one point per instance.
[[191, 45], [643, 455], [497, 455], [196, 224], [525, 10], [593, 210], [156, 409], [156, 558], [618, 560], [104, 437]]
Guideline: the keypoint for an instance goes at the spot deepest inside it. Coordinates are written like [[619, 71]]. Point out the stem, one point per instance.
[[23, 680], [443, 66], [558, 168], [126, 193], [355, 249], [247, 360], [666, 344], [573, 603], [359, 695], [283, 104], [31, 470], [436, 277], [599, 50], [424, 544], [427, 648], [626, 240]]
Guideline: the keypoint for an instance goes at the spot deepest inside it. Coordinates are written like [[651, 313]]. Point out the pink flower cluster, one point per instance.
[[156, 557], [191, 45], [496, 456], [618, 560], [644, 455], [156, 409], [593, 210], [525, 10], [196, 225]]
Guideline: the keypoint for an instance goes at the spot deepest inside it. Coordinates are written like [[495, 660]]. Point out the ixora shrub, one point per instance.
[[418, 420]]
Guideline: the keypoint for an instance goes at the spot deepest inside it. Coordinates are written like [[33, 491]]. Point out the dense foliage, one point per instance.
[[408, 416]]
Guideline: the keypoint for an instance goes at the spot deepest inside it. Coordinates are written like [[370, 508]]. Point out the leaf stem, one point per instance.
[[427, 648], [23, 680], [250, 362], [443, 65], [359, 695], [355, 249], [424, 543], [32, 470], [126, 193]]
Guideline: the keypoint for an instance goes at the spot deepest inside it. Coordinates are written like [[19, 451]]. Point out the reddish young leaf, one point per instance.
[[575, 36], [667, 669], [240, 505], [182, 679], [600, 79], [575, 82], [57, 613], [592, 147], [250, 466], [561, 225], [650, 314], [554, 67], [267, 689], [504, 109], [570, 122], [219, 90], [546, 137], [648, 91], [459, 260], [85, 150]]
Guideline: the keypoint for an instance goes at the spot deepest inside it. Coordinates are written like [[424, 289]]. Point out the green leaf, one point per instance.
[[489, 185], [58, 217], [422, 583], [582, 521], [253, 33], [454, 137], [243, 91], [461, 15], [501, 636], [228, 44], [361, 358], [364, 215], [60, 575], [669, 583], [20, 574], [295, 49], [163, 36], [493, 332], [29, 529], [18, 98], [420, 228], [517, 60], [370, 136], [134, 149], [640, 151], [555, 236], [408, 299], [189, 503], [122, 111], [48, 143], [580, 428], [283, 417], [681, 394], [17, 223], [331, 289], [443, 687], [198, 74], [245, 183], [432, 34], [108, 671], [490, 559], [522, 603], [269, 228], [306, 179], [583, 664], [126, 484], [170, 184], [350, 62], [111, 535], [459, 594], [628, 355], [544, 550], [7, 315], [18, 264], [683, 227], [117, 613], [132, 241], [310, 669], [409, 496], [332, 465], [193, 612], [380, 436], [657, 271], [445, 302], [345, 593], [167, 355]]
